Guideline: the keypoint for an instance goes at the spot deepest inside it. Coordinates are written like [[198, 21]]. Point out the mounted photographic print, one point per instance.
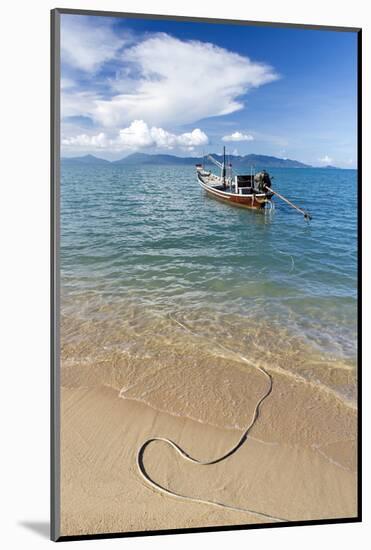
[[205, 216]]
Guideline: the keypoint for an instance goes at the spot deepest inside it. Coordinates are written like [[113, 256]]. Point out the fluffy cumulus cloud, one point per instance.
[[138, 136], [238, 136]]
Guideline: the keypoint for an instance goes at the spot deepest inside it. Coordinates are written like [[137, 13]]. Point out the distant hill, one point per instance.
[[262, 161], [144, 158], [86, 159], [247, 160], [271, 162]]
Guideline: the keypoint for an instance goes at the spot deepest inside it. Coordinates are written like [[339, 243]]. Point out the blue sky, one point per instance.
[[185, 88]]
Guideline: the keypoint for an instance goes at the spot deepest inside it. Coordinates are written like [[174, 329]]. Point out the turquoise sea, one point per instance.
[[142, 245]]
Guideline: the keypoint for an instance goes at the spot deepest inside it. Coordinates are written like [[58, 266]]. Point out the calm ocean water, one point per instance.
[[140, 243]]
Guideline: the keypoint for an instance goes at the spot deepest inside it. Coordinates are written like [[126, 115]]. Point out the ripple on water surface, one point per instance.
[[141, 243]]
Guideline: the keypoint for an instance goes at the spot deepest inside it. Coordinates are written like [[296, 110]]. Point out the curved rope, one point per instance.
[[189, 458]]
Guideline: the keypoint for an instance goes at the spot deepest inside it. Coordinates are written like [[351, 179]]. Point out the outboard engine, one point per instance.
[[261, 181]]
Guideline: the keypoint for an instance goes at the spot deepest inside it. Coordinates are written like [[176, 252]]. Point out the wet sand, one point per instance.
[[298, 463]]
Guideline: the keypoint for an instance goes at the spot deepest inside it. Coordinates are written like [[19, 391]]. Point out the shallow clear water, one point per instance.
[[142, 244]]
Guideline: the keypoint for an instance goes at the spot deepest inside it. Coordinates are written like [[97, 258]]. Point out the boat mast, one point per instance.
[[223, 169]]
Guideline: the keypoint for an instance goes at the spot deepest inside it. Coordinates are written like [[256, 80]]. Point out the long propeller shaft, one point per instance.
[[306, 214]]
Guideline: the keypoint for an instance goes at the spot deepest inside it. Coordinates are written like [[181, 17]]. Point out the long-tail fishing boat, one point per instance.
[[246, 191], [252, 190]]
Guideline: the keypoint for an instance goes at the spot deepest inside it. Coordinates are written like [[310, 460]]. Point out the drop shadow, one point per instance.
[[41, 528]]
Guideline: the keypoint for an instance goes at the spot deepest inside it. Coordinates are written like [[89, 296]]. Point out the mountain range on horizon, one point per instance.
[[263, 161]]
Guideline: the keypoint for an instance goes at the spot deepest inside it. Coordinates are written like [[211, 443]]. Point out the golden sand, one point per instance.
[[299, 463], [129, 374]]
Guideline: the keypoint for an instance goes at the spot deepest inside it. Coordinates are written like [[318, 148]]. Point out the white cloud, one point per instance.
[[238, 136], [326, 159], [182, 82], [67, 83], [77, 103], [138, 136], [192, 139], [166, 81], [98, 141], [87, 42]]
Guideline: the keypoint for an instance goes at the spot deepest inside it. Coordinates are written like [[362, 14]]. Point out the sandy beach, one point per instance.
[[298, 463], [170, 309]]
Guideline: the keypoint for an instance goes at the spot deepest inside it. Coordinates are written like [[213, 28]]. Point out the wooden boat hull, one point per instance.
[[253, 201]]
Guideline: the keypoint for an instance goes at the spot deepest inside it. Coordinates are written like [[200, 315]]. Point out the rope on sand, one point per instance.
[[230, 452]]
